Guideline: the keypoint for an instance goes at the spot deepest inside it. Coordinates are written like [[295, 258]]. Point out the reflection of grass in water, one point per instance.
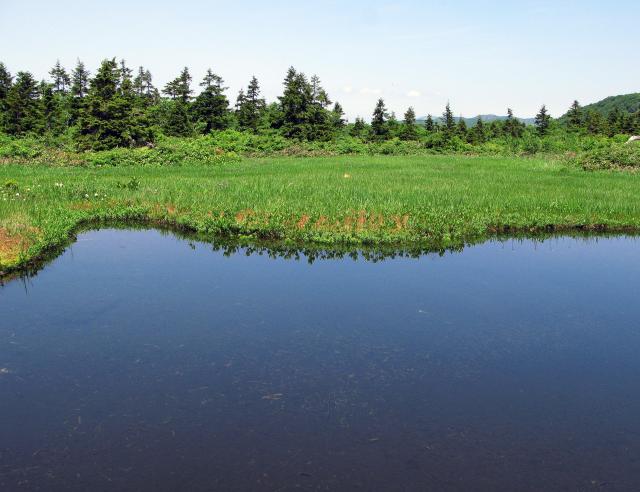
[[419, 203]]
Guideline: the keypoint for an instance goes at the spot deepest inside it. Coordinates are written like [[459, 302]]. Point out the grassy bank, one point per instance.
[[439, 201]]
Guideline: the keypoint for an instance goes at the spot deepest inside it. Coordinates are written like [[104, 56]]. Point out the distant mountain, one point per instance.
[[485, 117], [627, 103]]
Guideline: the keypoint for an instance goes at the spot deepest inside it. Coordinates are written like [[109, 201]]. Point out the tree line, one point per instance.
[[120, 107]]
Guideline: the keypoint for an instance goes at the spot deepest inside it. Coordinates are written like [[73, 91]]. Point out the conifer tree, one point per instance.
[[462, 128], [594, 123], [614, 121], [448, 121], [429, 125], [211, 107], [6, 81], [250, 107], [542, 121], [296, 106], [409, 131], [23, 114], [574, 116], [337, 116], [379, 127], [180, 87], [79, 81], [107, 120], [358, 128], [479, 133], [60, 79], [51, 108]]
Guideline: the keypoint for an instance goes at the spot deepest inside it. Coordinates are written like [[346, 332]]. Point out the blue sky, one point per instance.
[[482, 56]]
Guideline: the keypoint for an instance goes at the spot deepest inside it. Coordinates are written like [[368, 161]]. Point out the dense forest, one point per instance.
[[119, 107]]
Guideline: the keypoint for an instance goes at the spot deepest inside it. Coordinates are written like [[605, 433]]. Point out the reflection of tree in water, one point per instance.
[[287, 250]]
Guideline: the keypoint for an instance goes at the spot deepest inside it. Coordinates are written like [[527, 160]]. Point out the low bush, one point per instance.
[[616, 156]]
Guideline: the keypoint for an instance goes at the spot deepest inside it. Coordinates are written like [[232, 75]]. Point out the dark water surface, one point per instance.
[[140, 361]]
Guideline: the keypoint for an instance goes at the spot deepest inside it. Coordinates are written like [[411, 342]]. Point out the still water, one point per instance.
[[141, 361]]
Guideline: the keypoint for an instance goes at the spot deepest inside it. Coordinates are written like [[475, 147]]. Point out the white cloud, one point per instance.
[[347, 89], [370, 92], [414, 93]]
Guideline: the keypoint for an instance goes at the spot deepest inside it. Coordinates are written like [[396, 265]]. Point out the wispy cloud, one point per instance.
[[366, 91], [414, 93], [347, 89]]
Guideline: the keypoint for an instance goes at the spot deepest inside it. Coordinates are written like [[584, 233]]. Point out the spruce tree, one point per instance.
[[479, 133], [79, 90], [107, 120], [429, 125], [6, 81], [296, 106], [337, 116], [594, 122], [250, 107], [409, 131], [379, 127], [80, 81], [614, 122], [51, 108], [542, 121], [211, 107], [448, 121], [574, 116], [60, 79], [462, 128], [23, 112], [358, 128]]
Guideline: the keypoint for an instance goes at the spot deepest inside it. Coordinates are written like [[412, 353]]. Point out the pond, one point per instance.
[[138, 360]]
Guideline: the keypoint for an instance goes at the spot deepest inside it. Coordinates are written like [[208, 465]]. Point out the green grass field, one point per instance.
[[436, 201]]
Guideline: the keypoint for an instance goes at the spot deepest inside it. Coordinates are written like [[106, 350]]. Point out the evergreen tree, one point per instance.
[[23, 113], [594, 123], [6, 81], [479, 134], [462, 128], [337, 116], [614, 121], [379, 127], [211, 107], [79, 90], [296, 106], [574, 116], [429, 125], [178, 119], [143, 87], [358, 128], [51, 108], [250, 107], [542, 121], [60, 79], [180, 87], [107, 120], [409, 131], [79, 81], [512, 127], [448, 121]]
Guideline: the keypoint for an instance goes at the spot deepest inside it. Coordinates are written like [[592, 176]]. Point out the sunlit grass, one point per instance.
[[437, 200]]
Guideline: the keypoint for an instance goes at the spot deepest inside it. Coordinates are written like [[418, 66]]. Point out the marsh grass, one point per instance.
[[436, 201]]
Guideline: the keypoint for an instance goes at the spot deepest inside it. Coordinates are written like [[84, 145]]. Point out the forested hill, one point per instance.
[[626, 103]]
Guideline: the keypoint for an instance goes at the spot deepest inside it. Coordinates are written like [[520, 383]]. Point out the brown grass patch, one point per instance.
[[243, 215], [401, 221], [13, 243], [302, 222], [81, 205]]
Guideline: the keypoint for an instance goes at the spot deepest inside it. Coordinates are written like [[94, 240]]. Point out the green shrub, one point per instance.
[[617, 156]]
